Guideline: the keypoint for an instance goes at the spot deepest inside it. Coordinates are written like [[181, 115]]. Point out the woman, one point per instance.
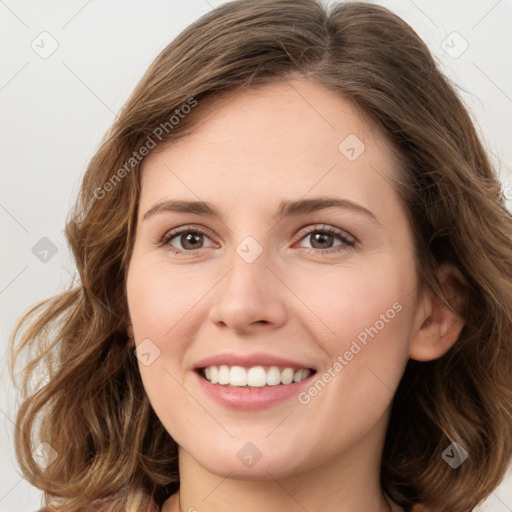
[[296, 270]]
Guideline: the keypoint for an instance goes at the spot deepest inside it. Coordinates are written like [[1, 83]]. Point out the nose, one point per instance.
[[249, 296]]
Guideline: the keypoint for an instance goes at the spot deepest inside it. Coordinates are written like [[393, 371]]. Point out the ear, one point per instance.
[[439, 327]]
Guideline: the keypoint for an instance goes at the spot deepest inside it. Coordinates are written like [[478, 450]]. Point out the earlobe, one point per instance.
[[441, 326]]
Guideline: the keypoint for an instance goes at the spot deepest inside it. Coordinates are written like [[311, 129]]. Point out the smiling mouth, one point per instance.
[[255, 376]]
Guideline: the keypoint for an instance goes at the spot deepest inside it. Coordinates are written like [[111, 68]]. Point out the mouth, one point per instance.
[[254, 381], [255, 377]]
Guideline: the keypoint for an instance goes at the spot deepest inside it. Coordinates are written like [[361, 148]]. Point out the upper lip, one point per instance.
[[250, 360]]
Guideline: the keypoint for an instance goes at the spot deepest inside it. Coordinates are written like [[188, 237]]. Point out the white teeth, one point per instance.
[[256, 376], [301, 375], [238, 376], [273, 376], [287, 376], [223, 374], [214, 374]]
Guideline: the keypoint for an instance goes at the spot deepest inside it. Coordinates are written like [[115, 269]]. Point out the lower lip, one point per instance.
[[250, 399]]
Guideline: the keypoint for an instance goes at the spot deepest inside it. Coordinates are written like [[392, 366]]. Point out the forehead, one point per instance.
[[286, 139]]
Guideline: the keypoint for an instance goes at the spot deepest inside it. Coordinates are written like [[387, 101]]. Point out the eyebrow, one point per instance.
[[286, 208]]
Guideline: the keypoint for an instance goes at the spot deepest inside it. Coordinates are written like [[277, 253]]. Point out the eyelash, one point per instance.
[[347, 244]]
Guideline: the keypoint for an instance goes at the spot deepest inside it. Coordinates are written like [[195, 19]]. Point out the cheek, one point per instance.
[[162, 301], [161, 304], [364, 318], [371, 320], [348, 301], [157, 312]]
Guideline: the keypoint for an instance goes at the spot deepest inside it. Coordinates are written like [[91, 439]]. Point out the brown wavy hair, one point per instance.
[[113, 454]]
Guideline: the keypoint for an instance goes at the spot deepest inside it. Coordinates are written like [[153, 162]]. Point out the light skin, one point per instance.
[[295, 300]]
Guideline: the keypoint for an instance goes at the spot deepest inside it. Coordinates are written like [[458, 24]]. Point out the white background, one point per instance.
[[55, 110]]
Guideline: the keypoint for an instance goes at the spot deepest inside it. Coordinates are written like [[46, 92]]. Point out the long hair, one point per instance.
[[109, 451]]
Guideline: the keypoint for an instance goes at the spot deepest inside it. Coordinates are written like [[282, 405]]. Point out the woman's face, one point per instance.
[[264, 290]]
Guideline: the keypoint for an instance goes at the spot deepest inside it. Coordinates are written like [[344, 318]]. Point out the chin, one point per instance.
[[249, 461]]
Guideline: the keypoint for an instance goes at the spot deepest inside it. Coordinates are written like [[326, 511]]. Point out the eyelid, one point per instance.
[[193, 228], [322, 227]]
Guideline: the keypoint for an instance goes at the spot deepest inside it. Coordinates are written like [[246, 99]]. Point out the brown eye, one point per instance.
[[321, 240], [324, 240], [185, 240], [191, 241]]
